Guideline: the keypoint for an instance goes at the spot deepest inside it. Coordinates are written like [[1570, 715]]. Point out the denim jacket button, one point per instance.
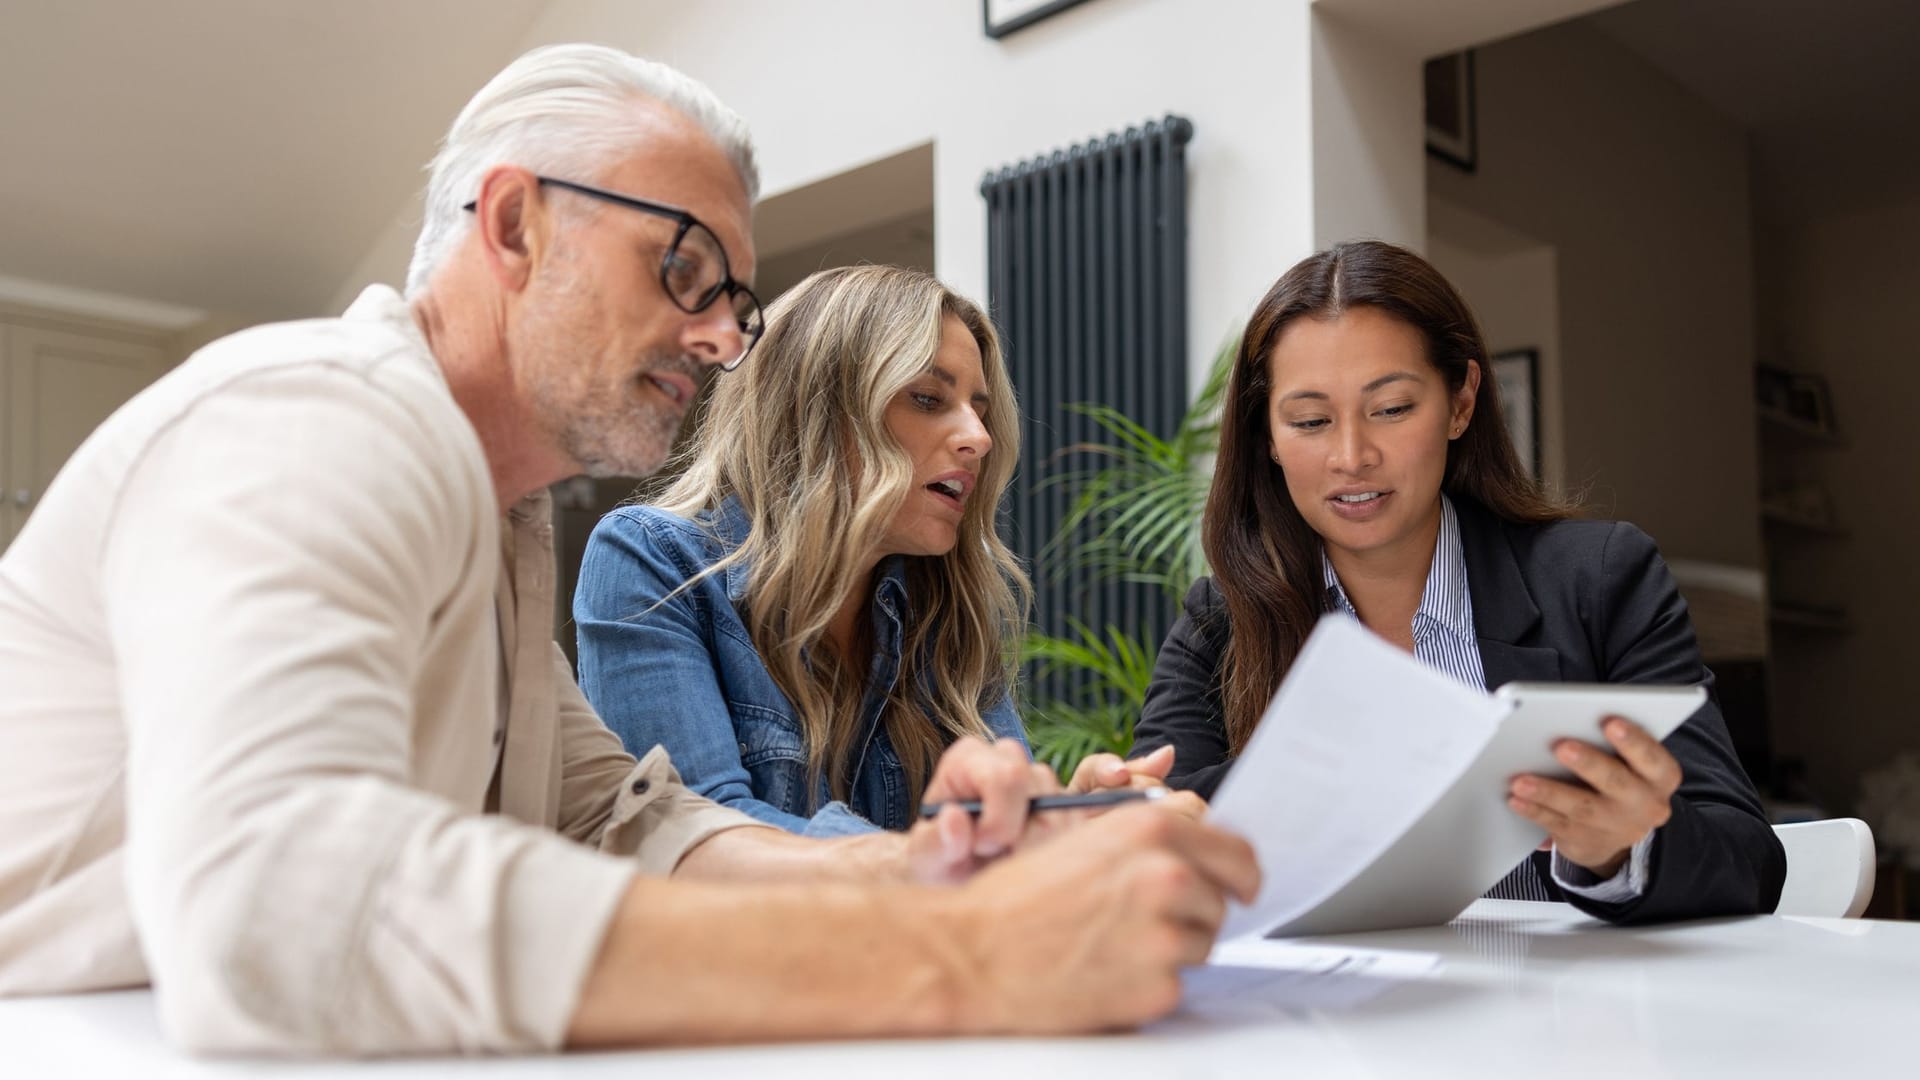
[[743, 749]]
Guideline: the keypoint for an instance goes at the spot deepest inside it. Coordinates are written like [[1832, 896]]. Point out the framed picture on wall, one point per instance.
[[1770, 387], [1796, 398], [1517, 373], [1452, 126], [1003, 17], [1809, 402]]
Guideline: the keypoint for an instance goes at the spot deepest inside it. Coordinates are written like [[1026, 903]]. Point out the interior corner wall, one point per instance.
[[831, 84], [1368, 136], [1515, 297], [1643, 193], [1840, 298]]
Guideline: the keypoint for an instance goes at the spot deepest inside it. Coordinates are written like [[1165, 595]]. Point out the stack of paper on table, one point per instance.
[[1261, 976]]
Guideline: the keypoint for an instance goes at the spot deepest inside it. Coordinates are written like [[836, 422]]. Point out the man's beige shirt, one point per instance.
[[263, 678]]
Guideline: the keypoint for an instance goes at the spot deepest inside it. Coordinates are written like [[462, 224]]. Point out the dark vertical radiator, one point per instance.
[[1087, 281]]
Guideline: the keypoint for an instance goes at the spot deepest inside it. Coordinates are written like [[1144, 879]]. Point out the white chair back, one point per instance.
[[1829, 868]]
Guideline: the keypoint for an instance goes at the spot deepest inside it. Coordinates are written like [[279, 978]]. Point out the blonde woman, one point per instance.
[[820, 605]]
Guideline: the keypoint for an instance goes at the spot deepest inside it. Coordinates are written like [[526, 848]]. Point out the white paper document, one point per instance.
[[1374, 790], [1360, 741]]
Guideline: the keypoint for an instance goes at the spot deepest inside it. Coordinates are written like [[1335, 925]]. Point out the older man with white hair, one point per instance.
[[284, 732]]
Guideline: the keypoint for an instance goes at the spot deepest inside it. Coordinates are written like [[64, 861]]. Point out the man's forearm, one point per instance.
[[772, 855], [1089, 935], [692, 962]]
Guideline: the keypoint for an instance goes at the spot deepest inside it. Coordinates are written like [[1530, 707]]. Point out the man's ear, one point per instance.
[[513, 224]]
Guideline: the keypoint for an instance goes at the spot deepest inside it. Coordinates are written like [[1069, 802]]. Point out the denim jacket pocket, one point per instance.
[[775, 757], [889, 807]]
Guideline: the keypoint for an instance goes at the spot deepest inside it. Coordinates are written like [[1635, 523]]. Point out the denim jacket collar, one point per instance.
[[730, 526]]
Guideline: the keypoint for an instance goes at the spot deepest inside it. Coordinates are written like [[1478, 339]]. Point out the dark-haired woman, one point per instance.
[[1364, 469]]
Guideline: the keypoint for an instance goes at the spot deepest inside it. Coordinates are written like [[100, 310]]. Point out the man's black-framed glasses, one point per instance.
[[694, 272]]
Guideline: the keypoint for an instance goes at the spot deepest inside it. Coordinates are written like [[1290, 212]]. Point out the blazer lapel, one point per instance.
[[1504, 614]]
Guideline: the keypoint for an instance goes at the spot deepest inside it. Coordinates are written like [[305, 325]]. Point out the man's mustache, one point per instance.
[[682, 364]]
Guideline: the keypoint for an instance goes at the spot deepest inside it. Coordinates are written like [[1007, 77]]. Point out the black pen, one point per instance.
[[1057, 802]]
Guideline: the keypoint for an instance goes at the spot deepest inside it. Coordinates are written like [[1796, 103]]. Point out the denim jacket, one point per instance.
[[686, 676]]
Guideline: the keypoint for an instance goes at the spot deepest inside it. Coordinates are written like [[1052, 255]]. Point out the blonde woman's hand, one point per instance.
[[1100, 772]]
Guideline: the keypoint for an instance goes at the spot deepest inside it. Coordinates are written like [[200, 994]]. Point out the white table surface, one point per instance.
[[1523, 990]]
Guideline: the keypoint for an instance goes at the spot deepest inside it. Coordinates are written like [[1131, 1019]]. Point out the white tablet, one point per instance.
[[1545, 713]]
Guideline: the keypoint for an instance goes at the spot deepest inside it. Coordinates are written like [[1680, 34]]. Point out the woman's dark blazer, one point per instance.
[[1574, 601]]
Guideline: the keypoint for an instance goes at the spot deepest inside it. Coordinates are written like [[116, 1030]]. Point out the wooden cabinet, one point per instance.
[[59, 378]]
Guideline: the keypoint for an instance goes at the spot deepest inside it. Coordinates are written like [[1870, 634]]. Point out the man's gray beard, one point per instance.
[[633, 442]]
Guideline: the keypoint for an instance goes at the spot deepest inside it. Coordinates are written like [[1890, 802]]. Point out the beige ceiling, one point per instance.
[[244, 156], [228, 155]]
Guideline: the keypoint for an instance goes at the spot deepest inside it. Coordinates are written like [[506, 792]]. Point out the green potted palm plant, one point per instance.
[[1134, 517]]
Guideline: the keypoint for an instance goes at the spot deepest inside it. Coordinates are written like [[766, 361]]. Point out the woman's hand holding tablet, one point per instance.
[[1597, 800]]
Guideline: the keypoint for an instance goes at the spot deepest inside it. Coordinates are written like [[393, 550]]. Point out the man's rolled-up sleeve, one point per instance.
[[639, 809]]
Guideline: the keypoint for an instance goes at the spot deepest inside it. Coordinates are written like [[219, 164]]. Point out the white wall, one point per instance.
[[1642, 191], [831, 84], [1307, 115], [1368, 136], [1839, 296]]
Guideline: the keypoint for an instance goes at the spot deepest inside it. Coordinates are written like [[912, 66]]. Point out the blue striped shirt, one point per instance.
[[1444, 639], [1443, 634]]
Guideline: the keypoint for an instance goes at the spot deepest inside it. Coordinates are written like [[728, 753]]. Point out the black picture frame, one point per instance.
[[998, 18], [1452, 107], [1810, 402], [1797, 398], [1771, 387], [1517, 373]]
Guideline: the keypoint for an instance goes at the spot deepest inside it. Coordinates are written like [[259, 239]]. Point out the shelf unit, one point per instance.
[[1797, 523], [1796, 514], [1775, 421], [1805, 547]]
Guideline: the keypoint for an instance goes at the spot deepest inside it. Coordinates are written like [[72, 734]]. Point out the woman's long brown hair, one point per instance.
[[1264, 555]]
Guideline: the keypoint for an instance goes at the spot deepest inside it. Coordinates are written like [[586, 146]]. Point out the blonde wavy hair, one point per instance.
[[799, 436]]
